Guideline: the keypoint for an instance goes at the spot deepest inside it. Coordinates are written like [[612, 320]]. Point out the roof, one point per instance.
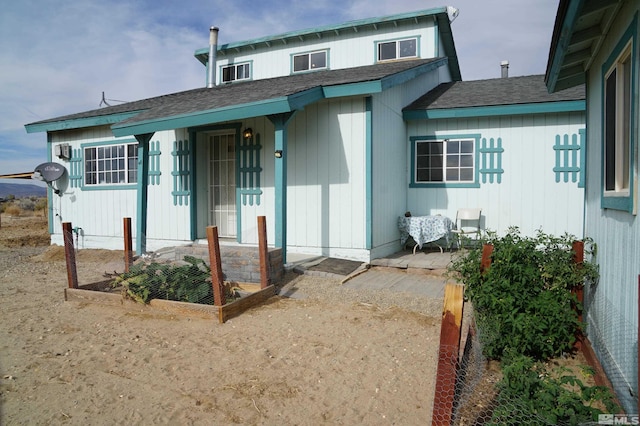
[[240, 100], [578, 34], [440, 15], [498, 96]]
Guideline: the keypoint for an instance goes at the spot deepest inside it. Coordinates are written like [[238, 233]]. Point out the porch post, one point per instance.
[[280, 121], [143, 181]]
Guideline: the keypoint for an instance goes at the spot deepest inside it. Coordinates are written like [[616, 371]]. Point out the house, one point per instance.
[[319, 130], [597, 43]]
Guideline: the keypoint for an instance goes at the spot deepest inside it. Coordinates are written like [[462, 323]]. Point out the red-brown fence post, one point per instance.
[[265, 276], [128, 245], [485, 262], [447, 372], [578, 290], [217, 280], [70, 255]]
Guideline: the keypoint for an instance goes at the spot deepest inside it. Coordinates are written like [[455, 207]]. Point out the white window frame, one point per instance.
[[238, 72], [617, 129], [398, 50], [309, 64], [113, 164], [448, 158]]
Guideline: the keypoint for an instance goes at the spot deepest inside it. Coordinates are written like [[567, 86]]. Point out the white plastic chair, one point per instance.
[[467, 224]]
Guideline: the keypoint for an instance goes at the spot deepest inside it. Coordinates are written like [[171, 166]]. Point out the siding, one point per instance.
[[346, 51], [527, 195], [612, 306]]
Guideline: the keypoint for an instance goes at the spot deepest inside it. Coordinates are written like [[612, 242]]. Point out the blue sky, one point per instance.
[[58, 56]]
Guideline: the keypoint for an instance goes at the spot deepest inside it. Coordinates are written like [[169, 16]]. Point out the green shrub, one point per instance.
[[531, 394], [524, 300], [185, 283]]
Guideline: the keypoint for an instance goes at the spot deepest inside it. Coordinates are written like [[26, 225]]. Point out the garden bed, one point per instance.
[[104, 293]]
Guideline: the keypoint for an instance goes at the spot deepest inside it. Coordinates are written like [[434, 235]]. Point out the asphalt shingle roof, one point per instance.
[[493, 92], [235, 94]]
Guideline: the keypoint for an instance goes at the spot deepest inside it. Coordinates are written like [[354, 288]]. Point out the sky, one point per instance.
[[57, 57]]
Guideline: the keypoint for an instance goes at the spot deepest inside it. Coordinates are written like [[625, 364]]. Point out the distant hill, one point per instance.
[[22, 190]]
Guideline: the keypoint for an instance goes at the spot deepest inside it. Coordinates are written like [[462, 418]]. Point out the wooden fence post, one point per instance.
[[448, 355], [265, 276], [70, 255], [217, 280], [485, 262], [128, 246]]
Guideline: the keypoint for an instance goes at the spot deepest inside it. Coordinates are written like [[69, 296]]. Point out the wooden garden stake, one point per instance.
[[70, 255], [217, 281], [578, 289], [485, 262], [265, 276]]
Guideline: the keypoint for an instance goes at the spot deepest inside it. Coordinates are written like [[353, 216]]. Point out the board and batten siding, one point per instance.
[[527, 194], [612, 306], [326, 179], [96, 214], [389, 161], [347, 50]]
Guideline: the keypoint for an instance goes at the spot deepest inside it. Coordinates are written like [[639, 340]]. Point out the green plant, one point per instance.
[[524, 300], [532, 394], [185, 283]]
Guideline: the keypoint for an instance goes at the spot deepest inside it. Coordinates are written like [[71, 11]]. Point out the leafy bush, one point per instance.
[[530, 394], [185, 283], [524, 300]]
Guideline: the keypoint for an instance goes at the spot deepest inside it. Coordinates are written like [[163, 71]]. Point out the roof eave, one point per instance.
[[496, 110], [79, 123]]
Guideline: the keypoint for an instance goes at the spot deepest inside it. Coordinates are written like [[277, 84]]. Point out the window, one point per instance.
[[236, 72], [444, 161], [111, 165], [310, 61], [398, 49], [617, 126]]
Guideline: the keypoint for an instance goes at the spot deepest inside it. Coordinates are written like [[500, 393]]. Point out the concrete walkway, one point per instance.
[[420, 274]]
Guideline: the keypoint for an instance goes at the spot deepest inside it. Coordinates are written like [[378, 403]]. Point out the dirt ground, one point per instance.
[[321, 360]]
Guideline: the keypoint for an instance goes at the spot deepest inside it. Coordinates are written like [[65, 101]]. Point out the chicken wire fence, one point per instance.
[[480, 396]]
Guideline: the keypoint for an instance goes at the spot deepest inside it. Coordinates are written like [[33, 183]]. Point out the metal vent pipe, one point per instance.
[[504, 65], [213, 51]]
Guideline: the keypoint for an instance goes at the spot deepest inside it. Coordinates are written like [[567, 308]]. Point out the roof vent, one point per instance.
[[213, 51], [504, 65]]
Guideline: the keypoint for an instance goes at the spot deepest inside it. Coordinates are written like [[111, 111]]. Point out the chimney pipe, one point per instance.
[[213, 51], [505, 69]]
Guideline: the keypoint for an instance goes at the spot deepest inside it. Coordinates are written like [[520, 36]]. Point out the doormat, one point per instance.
[[336, 266]]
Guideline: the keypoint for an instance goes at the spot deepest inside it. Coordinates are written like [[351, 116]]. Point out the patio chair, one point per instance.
[[467, 225]]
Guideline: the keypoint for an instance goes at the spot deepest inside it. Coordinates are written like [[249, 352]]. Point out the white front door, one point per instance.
[[222, 183]]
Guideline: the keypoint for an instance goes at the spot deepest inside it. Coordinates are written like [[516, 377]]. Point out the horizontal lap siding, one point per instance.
[[528, 195]]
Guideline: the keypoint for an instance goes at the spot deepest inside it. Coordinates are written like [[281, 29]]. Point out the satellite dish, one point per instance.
[[49, 172]]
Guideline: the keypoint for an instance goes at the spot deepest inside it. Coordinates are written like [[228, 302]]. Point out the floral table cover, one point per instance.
[[424, 229]]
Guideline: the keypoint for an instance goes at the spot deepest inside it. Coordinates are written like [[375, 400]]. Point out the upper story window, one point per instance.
[[444, 161], [111, 165], [397, 49], [310, 61], [617, 122], [235, 72]]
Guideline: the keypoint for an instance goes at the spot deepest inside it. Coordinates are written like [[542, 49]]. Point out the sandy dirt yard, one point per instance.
[[335, 358]]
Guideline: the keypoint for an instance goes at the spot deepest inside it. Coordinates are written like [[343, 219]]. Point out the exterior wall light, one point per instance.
[[248, 133], [278, 153]]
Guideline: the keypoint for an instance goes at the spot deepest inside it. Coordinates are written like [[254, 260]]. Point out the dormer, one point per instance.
[[408, 36]]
